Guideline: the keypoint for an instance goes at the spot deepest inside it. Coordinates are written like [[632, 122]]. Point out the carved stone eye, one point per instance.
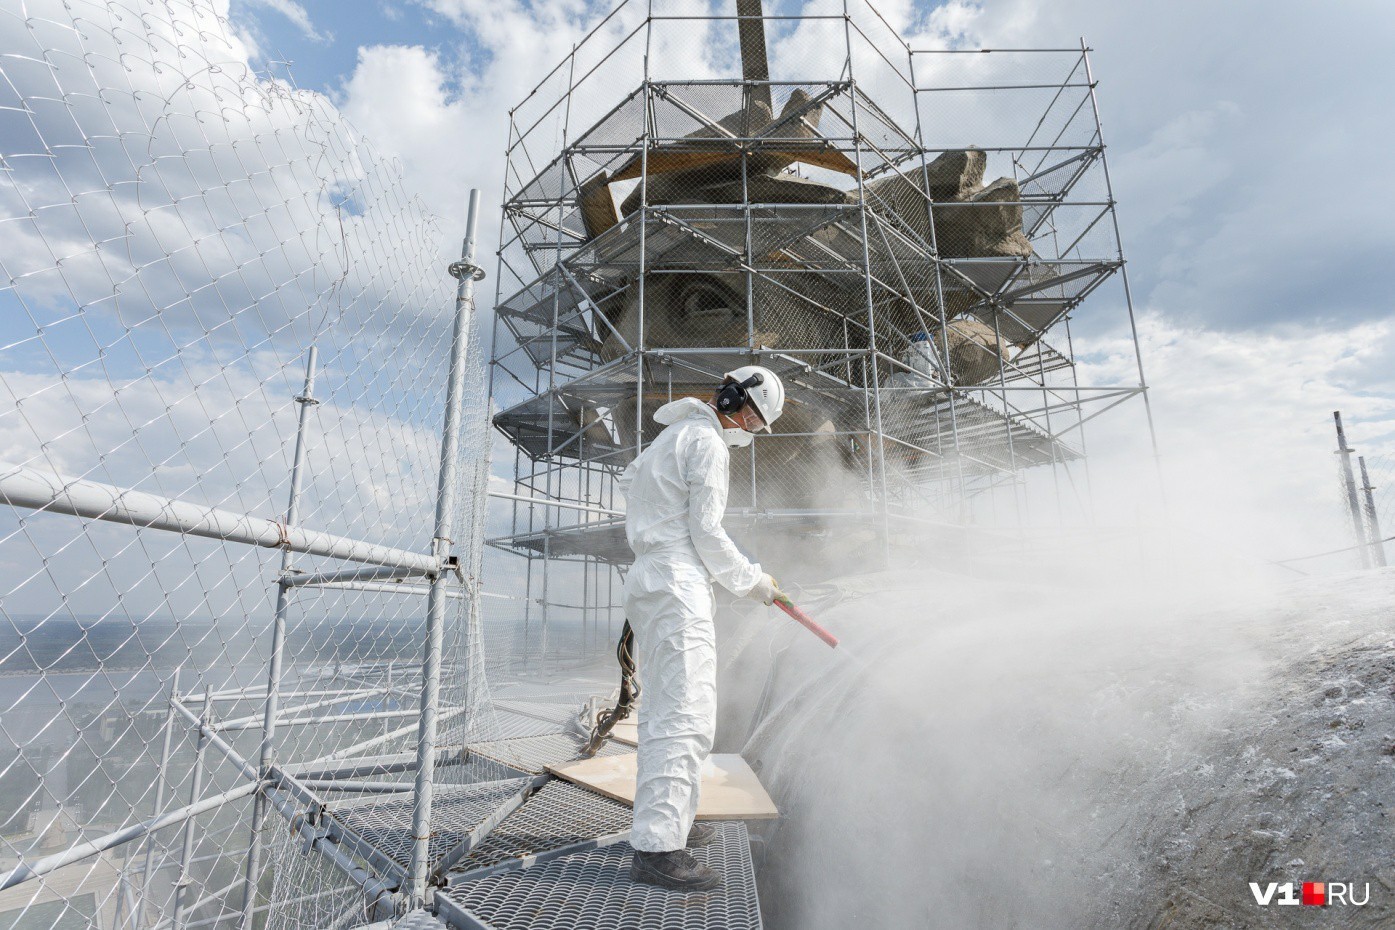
[[708, 303]]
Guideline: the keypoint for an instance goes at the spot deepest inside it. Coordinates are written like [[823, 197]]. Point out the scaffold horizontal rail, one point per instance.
[[26, 872], [30, 488]]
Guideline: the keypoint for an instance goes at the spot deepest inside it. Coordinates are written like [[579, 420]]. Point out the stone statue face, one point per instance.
[[692, 309], [687, 304]]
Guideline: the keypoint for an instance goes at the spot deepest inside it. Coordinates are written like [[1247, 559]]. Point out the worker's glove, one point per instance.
[[766, 590]]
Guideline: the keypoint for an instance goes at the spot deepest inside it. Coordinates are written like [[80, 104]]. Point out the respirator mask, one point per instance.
[[736, 438]]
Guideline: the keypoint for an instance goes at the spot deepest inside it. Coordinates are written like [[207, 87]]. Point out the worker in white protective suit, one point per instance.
[[676, 495]]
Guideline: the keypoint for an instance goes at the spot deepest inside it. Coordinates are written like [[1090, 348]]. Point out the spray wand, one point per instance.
[[629, 690], [782, 601]]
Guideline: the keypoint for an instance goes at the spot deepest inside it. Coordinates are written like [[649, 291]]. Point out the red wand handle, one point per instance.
[[785, 604]]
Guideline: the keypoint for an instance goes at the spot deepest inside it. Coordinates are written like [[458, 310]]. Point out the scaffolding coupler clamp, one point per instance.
[[310, 827], [460, 270], [451, 563]]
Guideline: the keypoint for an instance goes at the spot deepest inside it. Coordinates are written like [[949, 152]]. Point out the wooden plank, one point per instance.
[[730, 790], [597, 206], [697, 153], [627, 732]]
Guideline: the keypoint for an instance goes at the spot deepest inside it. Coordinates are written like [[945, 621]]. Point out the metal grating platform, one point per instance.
[[455, 812], [591, 890], [559, 815], [535, 753]]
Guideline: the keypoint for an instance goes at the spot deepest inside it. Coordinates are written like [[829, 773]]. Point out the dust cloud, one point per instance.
[[1023, 745]]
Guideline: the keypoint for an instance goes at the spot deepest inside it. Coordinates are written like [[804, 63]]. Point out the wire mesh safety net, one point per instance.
[[202, 267], [902, 235], [227, 333]]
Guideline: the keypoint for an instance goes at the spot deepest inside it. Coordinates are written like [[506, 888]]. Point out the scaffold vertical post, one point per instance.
[[186, 849], [1124, 273], [466, 271], [877, 442], [160, 779], [1372, 517], [1349, 483], [306, 400]]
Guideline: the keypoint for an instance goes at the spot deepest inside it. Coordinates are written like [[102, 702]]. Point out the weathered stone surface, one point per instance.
[[784, 188], [952, 176], [714, 175], [987, 224], [975, 355], [795, 309], [971, 220]]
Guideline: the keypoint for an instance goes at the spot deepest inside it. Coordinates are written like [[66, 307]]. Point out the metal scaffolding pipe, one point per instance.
[[466, 272], [387, 587], [1372, 517], [278, 641], [25, 872], [21, 486], [331, 718], [238, 723], [543, 502], [318, 579], [366, 787], [366, 765], [186, 848], [349, 752], [335, 829], [1349, 483], [377, 891], [160, 778]]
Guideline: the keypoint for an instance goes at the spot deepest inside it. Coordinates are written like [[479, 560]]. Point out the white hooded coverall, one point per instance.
[[676, 495]]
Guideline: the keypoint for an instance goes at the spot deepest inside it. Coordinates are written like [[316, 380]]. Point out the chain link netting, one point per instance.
[[205, 268], [904, 235]]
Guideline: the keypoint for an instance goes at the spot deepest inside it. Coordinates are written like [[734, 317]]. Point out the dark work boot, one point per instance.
[[676, 870], [701, 834]]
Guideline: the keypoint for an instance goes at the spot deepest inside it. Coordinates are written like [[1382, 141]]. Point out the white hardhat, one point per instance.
[[767, 395]]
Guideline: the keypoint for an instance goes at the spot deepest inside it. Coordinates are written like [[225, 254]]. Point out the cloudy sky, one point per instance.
[[1247, 144]]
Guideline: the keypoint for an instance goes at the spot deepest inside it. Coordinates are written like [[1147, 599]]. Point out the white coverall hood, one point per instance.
[[676, 495], [675, 410]]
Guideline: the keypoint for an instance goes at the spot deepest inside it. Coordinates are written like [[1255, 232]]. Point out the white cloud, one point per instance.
[[177, 233], [1243, 185], [1230, 166], [401, 94], [447, 118], [298, 16]]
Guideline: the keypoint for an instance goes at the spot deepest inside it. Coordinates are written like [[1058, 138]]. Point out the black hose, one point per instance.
[[629, 693]]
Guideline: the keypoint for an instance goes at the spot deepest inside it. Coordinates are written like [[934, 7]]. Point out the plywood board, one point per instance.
[[627, 732], [730, 790]]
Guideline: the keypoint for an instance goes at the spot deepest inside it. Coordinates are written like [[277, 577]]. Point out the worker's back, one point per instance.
[[657, 484]]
